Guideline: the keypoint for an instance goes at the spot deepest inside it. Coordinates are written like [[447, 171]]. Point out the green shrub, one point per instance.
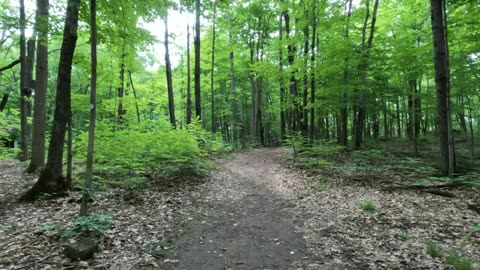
[[95, 224], [458, 261], [151, 146], [368, 206]]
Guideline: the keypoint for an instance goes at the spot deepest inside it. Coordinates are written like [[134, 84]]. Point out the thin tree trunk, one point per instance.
[[281, 80], [51, 179], [168, 70], [23, 85], [196, 43], [212, 83], [189, 80], [343, 137], [93, 108], [312, 73], [134, 94], [306, 48], [41, 85], [233, 87]]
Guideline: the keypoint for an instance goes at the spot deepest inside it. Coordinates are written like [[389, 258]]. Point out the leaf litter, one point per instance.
[[160, 224]]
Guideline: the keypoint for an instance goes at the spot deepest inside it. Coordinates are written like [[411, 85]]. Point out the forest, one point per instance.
[[216, 134]]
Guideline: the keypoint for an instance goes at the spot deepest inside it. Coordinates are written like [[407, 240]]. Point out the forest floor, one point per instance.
[[254, 211]]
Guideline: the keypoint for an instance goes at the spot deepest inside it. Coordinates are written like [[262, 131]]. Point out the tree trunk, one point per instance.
[[233, 88], [312, 73], [212, 70], [51, 179], [168, 70], [361, 94], [442, 82], [343, 136], [306, 48], [93, 108], [23, 86], [281, 80], [196, 43], [41, 85], [120, 91], [189, 80]]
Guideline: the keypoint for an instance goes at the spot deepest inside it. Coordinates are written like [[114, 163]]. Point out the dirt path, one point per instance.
[[244, 220]]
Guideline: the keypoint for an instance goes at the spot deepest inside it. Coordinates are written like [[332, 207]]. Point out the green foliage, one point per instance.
[[368, 206], [318, 186], [458, 261], [433, 250], [95, 224], [371, 157], [405, 236], [151, 147]]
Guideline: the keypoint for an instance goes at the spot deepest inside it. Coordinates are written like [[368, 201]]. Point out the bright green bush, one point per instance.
[[150, 147]]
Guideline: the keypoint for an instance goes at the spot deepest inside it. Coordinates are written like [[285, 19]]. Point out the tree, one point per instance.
[[51, 179], [189, 79], [168, 71], [442, 82], [93, 107], [196, 44], [24, 95], [41, 83]]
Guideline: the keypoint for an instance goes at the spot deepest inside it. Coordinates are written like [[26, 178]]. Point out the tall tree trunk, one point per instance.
[[41, 85], [189, 80], [312, 73], [442, 82], [93, 107], [296, 117], [134, 93], [23, 87], [196, 43], [361, 94], [281, 80], [120, 90], [306, 47], [233, 87], [212, 83], [51, 179], [168, 71], [343, 136]]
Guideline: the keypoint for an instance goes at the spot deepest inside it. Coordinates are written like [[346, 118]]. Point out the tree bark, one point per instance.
[[442, 82], [51, 179], [23, 86], [168, 70], [196, 43], [93, 108], [233, 88], [212, 69], [364, 62], [41, 84], [189, 80]]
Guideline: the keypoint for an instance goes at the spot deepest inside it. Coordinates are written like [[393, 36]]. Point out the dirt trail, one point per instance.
[[244, 221]]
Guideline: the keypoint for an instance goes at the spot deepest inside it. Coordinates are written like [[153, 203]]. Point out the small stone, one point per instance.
[[83, 249]]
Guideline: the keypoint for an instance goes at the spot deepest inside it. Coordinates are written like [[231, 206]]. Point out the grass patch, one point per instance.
[[433, 249], [318, 186], [458, 261], [368, 206]]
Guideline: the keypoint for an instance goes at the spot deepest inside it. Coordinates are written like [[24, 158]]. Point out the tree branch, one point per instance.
[[9, 66]]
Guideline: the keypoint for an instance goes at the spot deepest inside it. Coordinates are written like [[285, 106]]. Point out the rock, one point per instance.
[[82, 249]]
